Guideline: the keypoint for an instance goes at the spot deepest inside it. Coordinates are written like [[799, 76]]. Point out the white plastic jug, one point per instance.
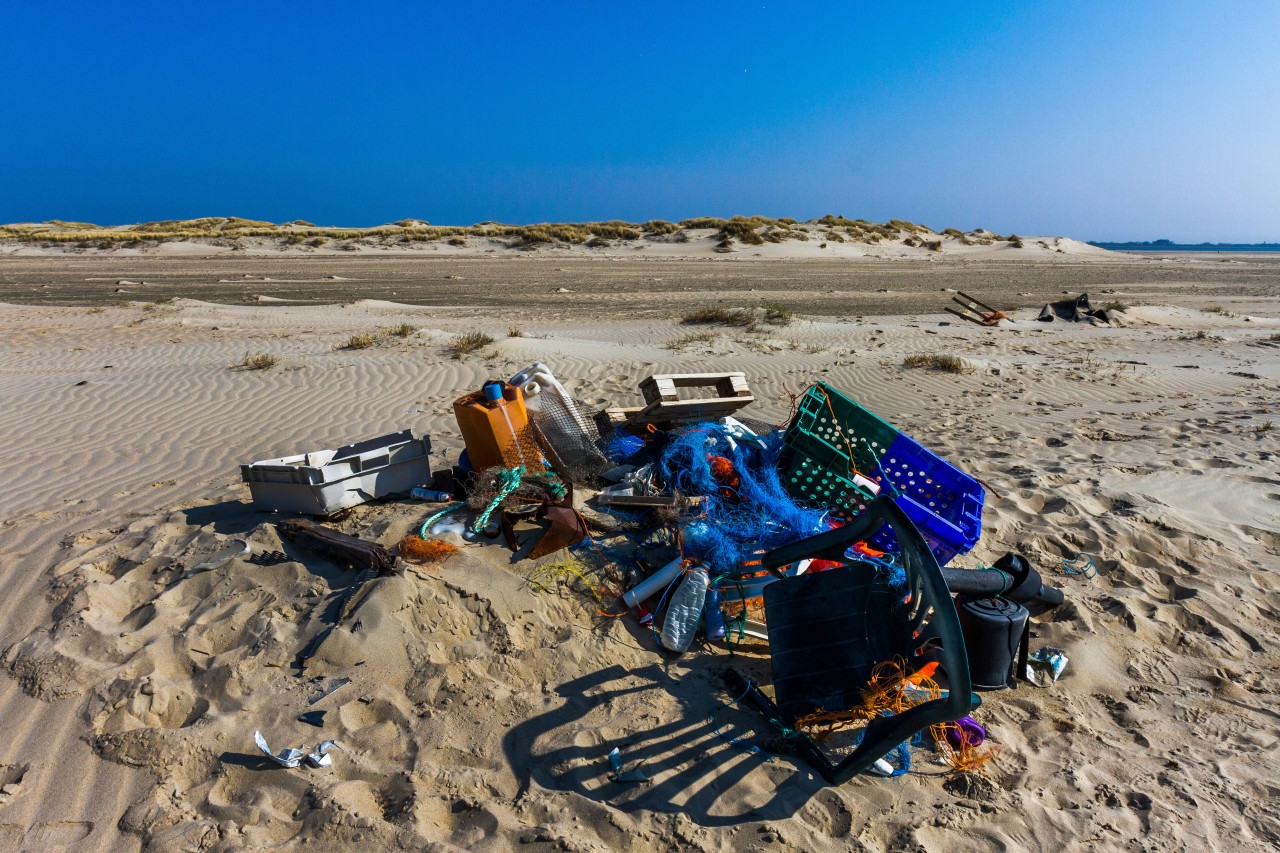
[[555, 414], [543, 392]]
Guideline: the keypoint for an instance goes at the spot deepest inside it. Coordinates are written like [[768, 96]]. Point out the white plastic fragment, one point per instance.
[[881, 768], [633, 775], [216, 554], [320, 757], [453, 525], [616, 473], [291, 758], [1045, 666]]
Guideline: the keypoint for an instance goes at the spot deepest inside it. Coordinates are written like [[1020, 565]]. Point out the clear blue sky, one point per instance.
[[1098, 120]]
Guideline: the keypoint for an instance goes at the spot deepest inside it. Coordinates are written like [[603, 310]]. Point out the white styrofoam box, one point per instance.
[[325, 481]]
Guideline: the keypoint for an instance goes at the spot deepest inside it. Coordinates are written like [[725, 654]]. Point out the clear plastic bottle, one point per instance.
[[712, 618], [685, 611]]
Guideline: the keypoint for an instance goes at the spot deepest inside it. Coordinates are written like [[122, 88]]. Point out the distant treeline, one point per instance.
[[1170, 246]]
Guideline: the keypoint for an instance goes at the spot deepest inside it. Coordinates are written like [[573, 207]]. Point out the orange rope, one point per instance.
[[836, 424], [887, 693]]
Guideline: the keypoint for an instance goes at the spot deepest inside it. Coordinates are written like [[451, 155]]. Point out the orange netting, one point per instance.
[[424, 551]]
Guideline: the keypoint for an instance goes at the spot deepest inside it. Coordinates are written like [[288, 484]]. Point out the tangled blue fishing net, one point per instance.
[[747, 509], [623, 445]]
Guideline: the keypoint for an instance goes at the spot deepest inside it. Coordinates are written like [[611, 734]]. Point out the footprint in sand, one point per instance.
[[61, 835], [831, 815], [11, 776]]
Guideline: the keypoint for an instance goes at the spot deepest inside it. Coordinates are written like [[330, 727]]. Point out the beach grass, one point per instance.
[[361, 341], [688, 340], [257, 361], [770, 313], [469, 342], [935, 361]]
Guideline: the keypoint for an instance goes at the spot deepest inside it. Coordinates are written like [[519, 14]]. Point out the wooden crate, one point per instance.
[[663, 403]]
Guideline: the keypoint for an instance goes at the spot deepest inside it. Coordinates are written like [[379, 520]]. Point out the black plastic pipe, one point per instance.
[[1015, 580]]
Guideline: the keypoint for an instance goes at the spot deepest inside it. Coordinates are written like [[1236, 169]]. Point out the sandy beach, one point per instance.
[[480, 711]]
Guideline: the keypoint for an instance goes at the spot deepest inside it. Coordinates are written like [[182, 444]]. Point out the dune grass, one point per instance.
[[361, 341], [934, 361], [777, 315], [688, 340], [404, 330], [769, 313], [468, 342], [714, 314], [257, 361]]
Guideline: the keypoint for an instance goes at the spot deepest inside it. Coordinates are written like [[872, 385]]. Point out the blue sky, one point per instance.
[[1104, 120]]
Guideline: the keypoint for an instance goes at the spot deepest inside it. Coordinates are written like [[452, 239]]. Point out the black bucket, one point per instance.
[[993, 631]]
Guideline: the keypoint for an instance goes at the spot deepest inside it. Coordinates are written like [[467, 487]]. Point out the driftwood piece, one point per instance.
[[338, 546]]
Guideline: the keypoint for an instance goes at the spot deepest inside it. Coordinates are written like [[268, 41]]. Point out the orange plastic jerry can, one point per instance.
[[495, 427]]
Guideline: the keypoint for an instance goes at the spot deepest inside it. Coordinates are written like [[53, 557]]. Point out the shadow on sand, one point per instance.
[[689, 760]]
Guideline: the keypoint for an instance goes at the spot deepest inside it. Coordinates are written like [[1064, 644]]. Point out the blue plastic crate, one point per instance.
[[944, 502]]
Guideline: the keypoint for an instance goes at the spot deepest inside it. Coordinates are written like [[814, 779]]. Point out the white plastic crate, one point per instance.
[[325, 481]]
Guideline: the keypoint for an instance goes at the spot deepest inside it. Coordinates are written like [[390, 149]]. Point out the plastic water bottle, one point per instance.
[[713, 619], [431, 495], [685, 611]]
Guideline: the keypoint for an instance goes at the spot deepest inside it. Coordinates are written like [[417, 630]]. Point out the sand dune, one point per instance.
[[706, 237], [480, 711]]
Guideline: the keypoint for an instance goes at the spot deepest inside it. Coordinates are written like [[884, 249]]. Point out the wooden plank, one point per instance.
[[637, 500], [658, 388], [621, 414], [969, 317], [981, 305], [688, 380], [687, 410], [337, 546], [664, 387]]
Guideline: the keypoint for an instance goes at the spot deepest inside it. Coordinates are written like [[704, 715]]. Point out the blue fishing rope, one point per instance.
[[1088, 569], [426, 525]]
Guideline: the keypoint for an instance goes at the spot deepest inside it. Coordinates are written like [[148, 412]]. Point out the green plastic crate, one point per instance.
[[816, 466]]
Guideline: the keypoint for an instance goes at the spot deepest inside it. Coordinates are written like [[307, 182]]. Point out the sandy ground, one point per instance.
[[572, 286], [480, 711]]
